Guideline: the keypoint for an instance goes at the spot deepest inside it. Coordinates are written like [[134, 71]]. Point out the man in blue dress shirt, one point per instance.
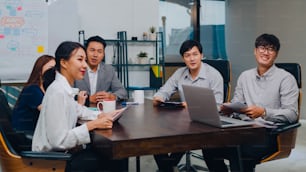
[[195, 73]]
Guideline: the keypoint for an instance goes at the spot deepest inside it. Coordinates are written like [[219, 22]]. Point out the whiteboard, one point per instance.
[[23, 36]]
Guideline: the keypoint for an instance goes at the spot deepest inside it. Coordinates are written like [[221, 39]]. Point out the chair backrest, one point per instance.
[[18, 141], [12, 93], [14, 146], [8, 154], [12, 162], [224, 67], [296, 71], [287, 138]]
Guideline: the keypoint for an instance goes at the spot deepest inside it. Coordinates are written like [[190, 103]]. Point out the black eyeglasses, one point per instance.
[[263, 49]]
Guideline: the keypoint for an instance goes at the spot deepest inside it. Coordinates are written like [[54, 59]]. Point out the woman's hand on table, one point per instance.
[[103, 121]]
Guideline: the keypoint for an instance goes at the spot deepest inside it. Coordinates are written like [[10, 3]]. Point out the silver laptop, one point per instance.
[[202, 108]]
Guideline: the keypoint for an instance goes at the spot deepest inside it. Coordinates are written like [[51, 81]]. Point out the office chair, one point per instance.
[[286, 135], [224, 67], [15, 154]]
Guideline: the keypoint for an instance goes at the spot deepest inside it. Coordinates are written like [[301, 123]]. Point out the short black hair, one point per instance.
[[95, 39], [267, 40], [188, 44]]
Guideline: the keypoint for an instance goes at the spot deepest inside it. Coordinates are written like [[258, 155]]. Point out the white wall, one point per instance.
[[104, 18], [107, 17], [99, 17], [63, 23], [247, 19]]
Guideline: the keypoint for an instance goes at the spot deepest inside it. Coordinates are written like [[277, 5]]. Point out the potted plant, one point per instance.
[[152, 31], [142, 57]]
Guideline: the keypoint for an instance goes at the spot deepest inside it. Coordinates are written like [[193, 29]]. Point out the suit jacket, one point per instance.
[[106, 81]]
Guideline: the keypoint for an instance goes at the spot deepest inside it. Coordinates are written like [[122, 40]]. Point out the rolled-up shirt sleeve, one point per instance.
[[169, 88]]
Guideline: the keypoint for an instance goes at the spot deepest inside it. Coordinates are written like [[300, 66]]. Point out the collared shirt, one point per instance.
[[276, 91], [208, 77], [56, 127], [106, 80], [93, 76]]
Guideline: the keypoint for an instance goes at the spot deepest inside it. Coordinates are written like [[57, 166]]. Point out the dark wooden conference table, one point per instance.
[[147, 130]]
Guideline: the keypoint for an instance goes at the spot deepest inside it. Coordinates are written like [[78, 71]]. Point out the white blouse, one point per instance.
[[56, 128]]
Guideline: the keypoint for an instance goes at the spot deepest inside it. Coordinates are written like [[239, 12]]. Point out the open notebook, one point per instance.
[[202, 107]]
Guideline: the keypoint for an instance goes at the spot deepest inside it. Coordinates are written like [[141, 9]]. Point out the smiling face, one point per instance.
[[95, 54], [265, 56], [75, 67]]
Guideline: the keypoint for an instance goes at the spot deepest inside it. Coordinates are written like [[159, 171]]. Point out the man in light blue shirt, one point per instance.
[[195, 73]]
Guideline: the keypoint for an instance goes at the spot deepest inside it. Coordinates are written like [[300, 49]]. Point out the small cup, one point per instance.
[[139, 96], [106, 106]]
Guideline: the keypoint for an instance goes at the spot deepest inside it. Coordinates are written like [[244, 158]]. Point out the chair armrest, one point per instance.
[[46, 155], [284, 128]]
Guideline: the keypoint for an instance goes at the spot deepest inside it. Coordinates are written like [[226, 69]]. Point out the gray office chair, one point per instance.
[[224, 67]]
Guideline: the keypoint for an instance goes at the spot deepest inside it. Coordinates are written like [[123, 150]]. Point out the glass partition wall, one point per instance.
[[201, 20]]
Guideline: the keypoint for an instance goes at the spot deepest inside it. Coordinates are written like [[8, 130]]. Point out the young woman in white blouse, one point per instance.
[[57, 128]]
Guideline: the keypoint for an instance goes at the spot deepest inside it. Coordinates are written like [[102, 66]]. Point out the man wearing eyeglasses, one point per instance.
[[270, 93]]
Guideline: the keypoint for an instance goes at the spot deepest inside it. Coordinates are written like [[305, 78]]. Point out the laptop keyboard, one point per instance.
[[225, 122]]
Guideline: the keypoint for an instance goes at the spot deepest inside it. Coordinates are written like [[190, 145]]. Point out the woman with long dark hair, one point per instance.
[[28, 105]]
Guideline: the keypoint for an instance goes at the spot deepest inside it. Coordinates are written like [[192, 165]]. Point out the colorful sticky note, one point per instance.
[[40, 49]]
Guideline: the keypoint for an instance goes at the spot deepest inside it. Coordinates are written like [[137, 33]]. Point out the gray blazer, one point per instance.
[[107, 81]]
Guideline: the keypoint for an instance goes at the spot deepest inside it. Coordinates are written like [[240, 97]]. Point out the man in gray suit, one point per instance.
[[100, 81]]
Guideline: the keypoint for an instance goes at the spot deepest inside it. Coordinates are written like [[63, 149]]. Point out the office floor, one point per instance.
[[294, 163]]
